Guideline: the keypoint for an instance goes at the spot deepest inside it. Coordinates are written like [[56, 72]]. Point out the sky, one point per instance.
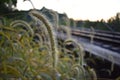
[[77, 9]]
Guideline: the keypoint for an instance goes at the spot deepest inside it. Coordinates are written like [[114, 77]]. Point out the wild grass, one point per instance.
[[25, 55]]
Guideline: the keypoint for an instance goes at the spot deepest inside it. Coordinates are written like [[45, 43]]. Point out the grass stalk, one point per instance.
[[51, 35]]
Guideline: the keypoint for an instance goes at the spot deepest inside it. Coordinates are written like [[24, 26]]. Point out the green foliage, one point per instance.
[[25, 56], [6, 6], [114, 22], [99, 25], [72, 23], [7, 1], [64, 20]]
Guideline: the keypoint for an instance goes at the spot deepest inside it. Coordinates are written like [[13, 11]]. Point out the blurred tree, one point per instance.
[[64, 20], [8, 2], [114, 22], [7, 5], [72, 23]]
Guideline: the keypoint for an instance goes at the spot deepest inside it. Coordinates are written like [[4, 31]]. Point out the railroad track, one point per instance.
[[108, 37], [105, 39], [104, 44]]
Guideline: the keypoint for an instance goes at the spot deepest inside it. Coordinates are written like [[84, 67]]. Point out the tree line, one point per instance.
[[112, 24]]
